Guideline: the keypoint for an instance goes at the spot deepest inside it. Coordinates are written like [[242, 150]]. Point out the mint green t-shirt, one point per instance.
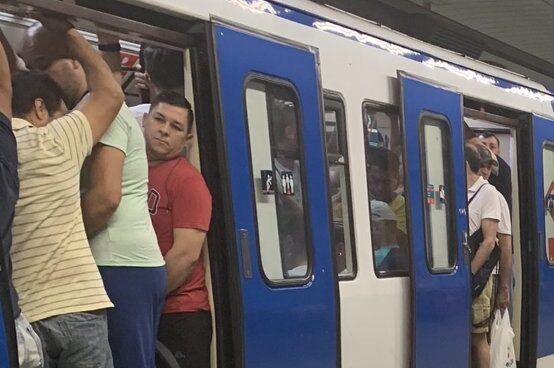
[[129, 238]]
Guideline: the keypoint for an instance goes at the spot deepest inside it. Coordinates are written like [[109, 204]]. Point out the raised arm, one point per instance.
[[105, 97], [5, 81], [109, 47]]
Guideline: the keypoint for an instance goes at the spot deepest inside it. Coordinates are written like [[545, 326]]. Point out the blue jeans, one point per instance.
[[75, 340]]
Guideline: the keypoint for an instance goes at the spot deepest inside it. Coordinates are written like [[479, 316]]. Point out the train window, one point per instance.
[[273, 128], [435, 154], [548, 178], [339, 188], [385, 182]]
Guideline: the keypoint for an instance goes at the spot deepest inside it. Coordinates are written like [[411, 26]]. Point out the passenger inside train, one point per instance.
[[114, 204]]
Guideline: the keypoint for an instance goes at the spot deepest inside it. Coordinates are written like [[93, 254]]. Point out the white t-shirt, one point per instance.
[[486, 204], [505, 224], [139, 111]]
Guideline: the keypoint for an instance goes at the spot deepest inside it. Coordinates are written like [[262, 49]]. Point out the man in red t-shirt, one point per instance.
[[180, 207]]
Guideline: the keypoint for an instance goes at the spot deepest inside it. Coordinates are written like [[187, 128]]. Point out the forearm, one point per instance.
[[98, 74], [178, 268], [483, 253], [10, 55], [96, 212], [112, 58], [505, 267]]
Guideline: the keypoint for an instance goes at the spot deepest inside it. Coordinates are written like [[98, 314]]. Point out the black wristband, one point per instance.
[[110, 47]]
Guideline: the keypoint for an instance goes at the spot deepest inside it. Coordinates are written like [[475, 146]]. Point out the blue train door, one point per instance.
[[272, 117], [543, 150], [437, 203]]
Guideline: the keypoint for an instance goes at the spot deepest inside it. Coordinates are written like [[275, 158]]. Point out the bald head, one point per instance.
[[40, 47]]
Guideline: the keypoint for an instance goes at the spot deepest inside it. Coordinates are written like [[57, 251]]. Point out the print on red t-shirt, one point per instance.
[[179, 198]]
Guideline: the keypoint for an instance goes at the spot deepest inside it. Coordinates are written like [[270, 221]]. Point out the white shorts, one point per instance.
[[29, 347]]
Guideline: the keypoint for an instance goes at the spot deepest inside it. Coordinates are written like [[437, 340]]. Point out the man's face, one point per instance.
[[381, 184], [166, 131], [491, 143]]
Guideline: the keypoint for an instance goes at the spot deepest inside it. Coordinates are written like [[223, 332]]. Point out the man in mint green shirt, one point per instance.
[[123, 241]]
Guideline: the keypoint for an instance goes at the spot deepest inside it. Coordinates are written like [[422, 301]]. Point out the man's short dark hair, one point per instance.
[[488, 134], [175, 99], [28, 86], [473, 158], [165, 66], [384, 159]]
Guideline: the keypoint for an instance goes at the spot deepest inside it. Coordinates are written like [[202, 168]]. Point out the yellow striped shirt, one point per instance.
[[53, 268]]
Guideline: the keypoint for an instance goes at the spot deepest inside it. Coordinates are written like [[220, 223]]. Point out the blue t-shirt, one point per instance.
[[9, 192]]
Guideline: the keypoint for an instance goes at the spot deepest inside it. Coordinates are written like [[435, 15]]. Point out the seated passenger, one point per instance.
[[383, 169], [387, 254], [180, 207], [60, 288]]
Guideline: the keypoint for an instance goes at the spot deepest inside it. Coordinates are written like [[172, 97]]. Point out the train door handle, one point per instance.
[[245, 251], [466, 248]]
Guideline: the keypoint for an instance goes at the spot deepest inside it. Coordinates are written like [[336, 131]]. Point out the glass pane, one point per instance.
[[385, 183], [440, 251], [339, 189], [277, 176], [548, 172]]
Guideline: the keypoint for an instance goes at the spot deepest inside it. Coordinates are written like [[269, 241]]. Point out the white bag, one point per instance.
[[502, 342]]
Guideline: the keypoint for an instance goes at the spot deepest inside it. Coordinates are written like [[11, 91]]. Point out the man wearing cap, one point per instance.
[[483, 213], [115, 211]]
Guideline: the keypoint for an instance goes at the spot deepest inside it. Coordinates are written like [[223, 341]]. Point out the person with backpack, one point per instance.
[[483, 214]]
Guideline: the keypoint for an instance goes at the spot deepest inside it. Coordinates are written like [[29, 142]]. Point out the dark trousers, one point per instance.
[[188, 336]]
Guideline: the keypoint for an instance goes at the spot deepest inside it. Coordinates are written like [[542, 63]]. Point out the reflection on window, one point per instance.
[[385, 183], [339, 188], [441, 249], [277, 174], [548, 179]]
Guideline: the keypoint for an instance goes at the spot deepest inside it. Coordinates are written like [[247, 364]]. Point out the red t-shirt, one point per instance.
[[179, 198]]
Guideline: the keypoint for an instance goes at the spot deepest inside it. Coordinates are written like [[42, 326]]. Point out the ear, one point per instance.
[[144, 118], [41, 113]]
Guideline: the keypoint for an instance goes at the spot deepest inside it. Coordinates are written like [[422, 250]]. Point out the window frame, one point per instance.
[[335, 101], [443, 122], [273, 82], [389, 109]]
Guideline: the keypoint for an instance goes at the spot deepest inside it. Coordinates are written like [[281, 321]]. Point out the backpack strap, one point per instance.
[[473, 196]]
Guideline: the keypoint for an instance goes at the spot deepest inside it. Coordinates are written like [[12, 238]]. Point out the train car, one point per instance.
[[294, 103]]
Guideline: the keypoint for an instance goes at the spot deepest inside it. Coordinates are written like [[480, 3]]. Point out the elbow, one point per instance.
[[111, 201]]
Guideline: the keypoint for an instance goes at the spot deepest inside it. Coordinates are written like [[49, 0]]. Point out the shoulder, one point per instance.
[[184, 170]]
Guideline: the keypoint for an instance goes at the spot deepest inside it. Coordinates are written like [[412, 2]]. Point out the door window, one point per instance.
[[384, 149], [435, 154], [273, 127]]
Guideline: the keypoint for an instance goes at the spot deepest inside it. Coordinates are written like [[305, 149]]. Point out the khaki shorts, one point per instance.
[[481, 310]]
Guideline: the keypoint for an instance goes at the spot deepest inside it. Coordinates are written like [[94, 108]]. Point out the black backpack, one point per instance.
[[481, 277]]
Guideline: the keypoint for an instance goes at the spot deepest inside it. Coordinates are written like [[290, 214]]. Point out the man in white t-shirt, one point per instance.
[[502, 274], [483, 212]]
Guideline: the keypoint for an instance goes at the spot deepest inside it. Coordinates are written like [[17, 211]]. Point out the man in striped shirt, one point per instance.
[[60, 289]]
